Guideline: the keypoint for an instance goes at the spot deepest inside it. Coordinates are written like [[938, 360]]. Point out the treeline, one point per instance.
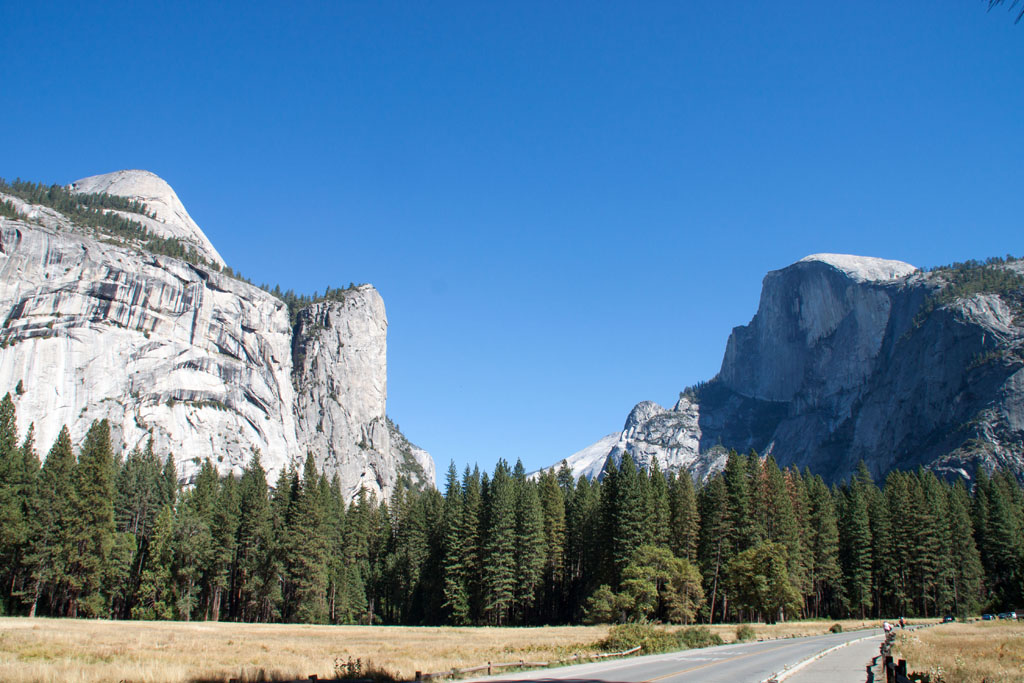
[[297, 302], [105, 536]]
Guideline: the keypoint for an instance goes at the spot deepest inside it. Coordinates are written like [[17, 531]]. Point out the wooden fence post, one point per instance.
[[419, 675], [890, 672], [901, 668], [488, 668]]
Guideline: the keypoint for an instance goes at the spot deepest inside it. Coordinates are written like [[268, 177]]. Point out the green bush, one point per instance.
[[745, 632], [699, 636], [653, 640], [836, 628]]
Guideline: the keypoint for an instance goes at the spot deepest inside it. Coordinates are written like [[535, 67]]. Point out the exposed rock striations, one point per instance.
[[847, 359], [206, 364]]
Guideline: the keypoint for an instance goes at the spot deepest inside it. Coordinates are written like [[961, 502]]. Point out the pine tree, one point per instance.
[[24, 588], [155, 595], [714, 547], [358, 524], [257, 592], [472, 512], [583, 543], [659, 515], [552, 501], [883, 570], [628, 516], [684, 524], [966, 567], [14, 526], [456, 592], [529, 548], [337, 574], [94, 522], [307, 549], [855, 540], [745, 531], [824, 548], [223, 531], [193, 545], [499, 570], [1000, 541]]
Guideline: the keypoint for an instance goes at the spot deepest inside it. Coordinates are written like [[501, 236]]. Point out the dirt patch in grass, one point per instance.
[[989, 651]]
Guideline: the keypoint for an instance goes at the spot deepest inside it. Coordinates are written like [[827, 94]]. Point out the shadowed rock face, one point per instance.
[[200, 362], [842, 364]]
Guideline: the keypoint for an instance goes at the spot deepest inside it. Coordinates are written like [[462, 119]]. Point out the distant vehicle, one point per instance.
[[948, 618], [1007, 615], [987, 617]]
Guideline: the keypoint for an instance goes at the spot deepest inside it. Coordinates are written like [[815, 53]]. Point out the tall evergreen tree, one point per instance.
[[49, 556], [855, 538], [659, 515], [14, 492], [256, 592], [823, 540], [94, 522], [966, 574], [456, 590], [529, 550], [499, 570], [715, 548], [306, 559], [684, 522], [627, 516], [552, 501]]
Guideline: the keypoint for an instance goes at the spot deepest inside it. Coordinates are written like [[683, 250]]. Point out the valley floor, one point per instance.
[[975, 652], [83, 651]]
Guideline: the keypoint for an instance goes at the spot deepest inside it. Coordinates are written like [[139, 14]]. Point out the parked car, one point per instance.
[[948, 618], [1007, 615], [987, 617]]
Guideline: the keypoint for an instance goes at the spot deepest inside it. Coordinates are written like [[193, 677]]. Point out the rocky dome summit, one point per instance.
[[863, 268], [172, 220]]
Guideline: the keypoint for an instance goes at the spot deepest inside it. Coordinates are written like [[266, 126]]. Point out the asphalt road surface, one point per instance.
[[735, 663]]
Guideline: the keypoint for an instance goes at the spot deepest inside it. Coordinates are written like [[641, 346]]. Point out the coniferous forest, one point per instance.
[[95, 533]]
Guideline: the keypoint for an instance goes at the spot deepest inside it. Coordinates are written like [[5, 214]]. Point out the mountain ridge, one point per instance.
[[854, 358], [98, 327]]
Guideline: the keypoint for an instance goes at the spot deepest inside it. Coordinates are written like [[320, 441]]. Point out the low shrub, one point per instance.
[[653, 640], [836, 628], [699, 636], [745, 632]]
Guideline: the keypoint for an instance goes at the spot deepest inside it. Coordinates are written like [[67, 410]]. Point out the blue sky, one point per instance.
[[566, 206]]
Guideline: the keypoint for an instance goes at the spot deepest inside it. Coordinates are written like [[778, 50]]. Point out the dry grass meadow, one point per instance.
[[88, 650], [975, 652]]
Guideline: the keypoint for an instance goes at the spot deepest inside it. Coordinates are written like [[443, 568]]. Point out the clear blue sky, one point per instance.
[[566, 206]]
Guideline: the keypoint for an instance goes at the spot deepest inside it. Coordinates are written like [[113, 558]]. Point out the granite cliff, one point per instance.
[[854, 358], [209, 366]]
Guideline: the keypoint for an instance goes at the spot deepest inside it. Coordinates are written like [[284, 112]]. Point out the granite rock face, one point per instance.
[[339, 355], [172, 220], [205, 364], [847, 359]]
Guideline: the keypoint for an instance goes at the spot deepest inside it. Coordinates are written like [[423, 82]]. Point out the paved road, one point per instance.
[[735, 663]]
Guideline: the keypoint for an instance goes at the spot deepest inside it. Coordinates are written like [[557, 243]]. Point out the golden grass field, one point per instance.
[[81, 650], [989, 651]]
